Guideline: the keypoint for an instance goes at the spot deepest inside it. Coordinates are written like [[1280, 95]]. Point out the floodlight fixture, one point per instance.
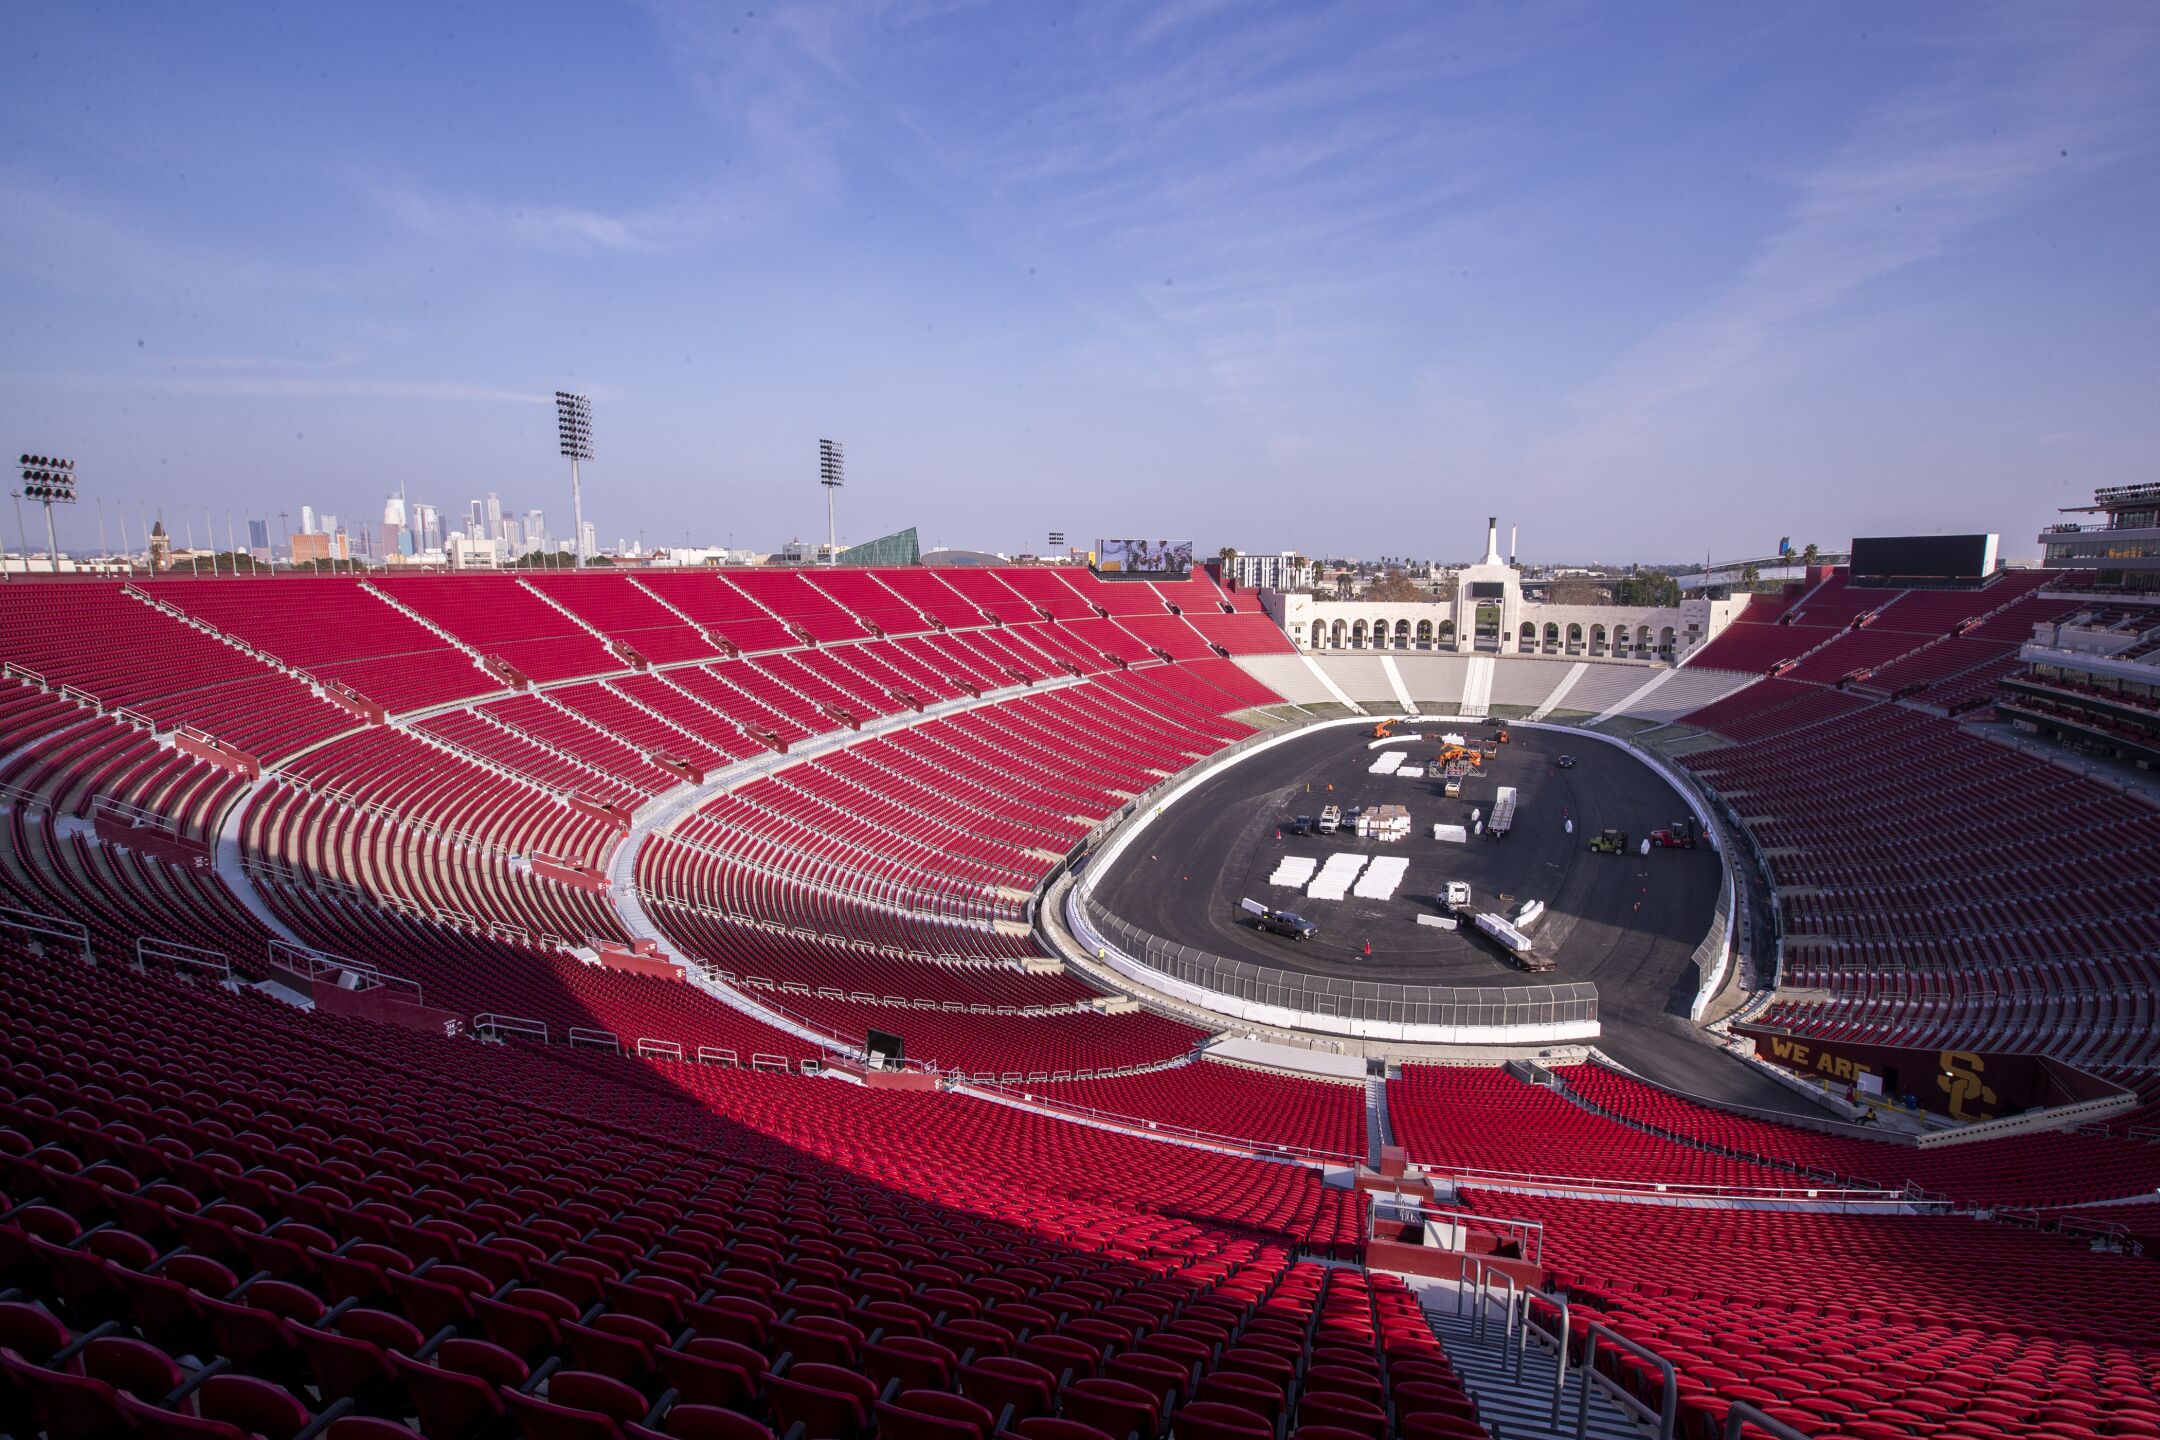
[[832, 474], [50, 481], [573, 429]]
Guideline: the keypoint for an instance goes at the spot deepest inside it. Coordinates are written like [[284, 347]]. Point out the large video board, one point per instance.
[[1144, 557], [1923, 557]]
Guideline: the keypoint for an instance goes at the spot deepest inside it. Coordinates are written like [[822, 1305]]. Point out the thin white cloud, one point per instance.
[[2024, 105], [282, 387], [561, 229], [54, 239]]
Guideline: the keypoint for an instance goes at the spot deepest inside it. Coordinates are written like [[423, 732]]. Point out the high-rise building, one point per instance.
[[258, 534], [1284, 571], [494, 516], [427, 527], [393, 511], [535, 530], [591, 546], [318, 545], [307, 520]]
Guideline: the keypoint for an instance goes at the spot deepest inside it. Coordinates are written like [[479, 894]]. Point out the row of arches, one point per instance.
[[1382, 634], [1621, 641], [1618, 641]]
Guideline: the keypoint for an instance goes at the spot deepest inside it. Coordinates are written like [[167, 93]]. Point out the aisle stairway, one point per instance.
[[1477, 688], [1377, 1133], [1515, 1408]]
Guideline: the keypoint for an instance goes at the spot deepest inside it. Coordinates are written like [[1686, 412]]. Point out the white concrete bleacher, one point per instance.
[[1364, 679], [1442, 684], [1685, 692], [1435, 681], [1290, 676]]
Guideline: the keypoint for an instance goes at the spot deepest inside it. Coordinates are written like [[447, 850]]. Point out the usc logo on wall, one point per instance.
[[1958, 1075]]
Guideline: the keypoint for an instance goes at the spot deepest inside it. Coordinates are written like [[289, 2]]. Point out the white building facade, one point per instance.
[[1489, 614], [1287, 571]]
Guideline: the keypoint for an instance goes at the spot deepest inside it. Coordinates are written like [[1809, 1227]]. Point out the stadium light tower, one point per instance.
[[50, 481], [832, 474], [573, 424]]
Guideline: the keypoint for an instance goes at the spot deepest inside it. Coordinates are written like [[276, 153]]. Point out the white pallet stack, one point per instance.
[[1335, 878], [1380, 878], [1294, 871]]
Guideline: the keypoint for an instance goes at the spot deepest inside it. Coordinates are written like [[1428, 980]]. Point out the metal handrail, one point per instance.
[[150, 947], [1558, 1300], [56, 927], [1668, 1410], [1381, 1001], [315, 963], [1035, 1100], [488, 1022], [1486, 1271], [1655, 1189], [1742, 1414], [1530, 1234]]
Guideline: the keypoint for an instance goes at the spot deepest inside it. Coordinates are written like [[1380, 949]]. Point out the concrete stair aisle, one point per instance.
[[1477, 688], [579, 717], [636, 704], [822, 707], [1515, 1408], [1559, 692], [607, 641], [864, 691], [938, 831], [1377, 1132], [872, 889], [583, 765], [223, 637], [726, 723], [877, 762], [426, 624], [932, 834], [663, 603], [465, 753]]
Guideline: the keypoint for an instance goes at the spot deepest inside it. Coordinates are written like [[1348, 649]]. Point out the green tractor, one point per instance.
[[1611, 842]]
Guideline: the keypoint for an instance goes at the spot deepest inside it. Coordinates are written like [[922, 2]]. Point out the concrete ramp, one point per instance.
[[1289, 676], [1288, 1057], [1567, 683], [1327, 680], [1395, 681], [1477, 687], [1641, 694]]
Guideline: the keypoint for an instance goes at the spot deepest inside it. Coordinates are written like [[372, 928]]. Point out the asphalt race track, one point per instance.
[[1629, 924]]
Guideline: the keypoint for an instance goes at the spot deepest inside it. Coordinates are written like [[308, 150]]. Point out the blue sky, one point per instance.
[[1643, 280]]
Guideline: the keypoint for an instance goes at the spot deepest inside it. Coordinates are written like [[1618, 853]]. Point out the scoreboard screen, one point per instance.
[[1923, 557], [1171, 558]]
